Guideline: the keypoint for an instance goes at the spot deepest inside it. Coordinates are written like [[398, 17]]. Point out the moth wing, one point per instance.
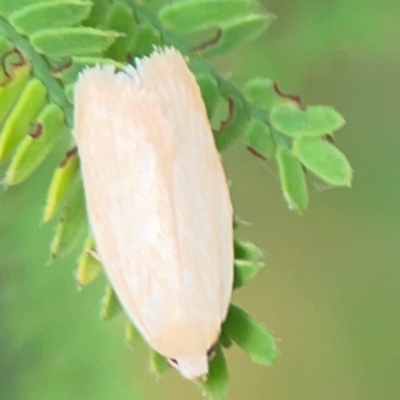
[[157, 199]]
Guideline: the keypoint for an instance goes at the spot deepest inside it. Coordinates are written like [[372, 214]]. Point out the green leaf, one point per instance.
[[292, 179], [75, 41], [72, 225], [69, 91], [245, 250], [251, 335], [9, 6], [240, 30], [199, 15], [158, 363], [110, 304], [61, 183], [324, 160], [209, 91], [98, 14], [120, 18], [35, 147], [25, 111], [89, 267], [44, 15], [217, 384], [245, 271], [132, 335], [258, 137], [10, 90], [238, 222], [147, 38], [233, 127], [313, 122], [225, 340], [5, 45], [262, 93]]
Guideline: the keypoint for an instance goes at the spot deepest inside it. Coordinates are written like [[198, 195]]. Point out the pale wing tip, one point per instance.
[[101, 73], [161, 56]]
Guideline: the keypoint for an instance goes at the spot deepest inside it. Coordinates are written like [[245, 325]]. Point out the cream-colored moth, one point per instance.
[[158, 203]]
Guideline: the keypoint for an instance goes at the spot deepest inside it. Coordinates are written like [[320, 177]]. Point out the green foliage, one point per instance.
[[240, 30], [232, 128], [50, 15], [110, 304], [245, 271], [189, 16], [132, 335], [246, 251], [35, 147], [120, 18], [158, 363], [62, 42], [313, 122], [217, 385], [324, 160], [44, 46], [259, 138], [209, 91], [293, 180], [262, 92], [72, 225], [89, 267], [11, 90], [60, 184], [251, 336], [24, 112]]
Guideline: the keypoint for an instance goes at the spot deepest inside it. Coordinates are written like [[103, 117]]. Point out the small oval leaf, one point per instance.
[[324, 160], [110, 306], [293, 181], [132, 335], [245, 271], [238, 222], [262, 93], [89, 267], [146, 39], [245, 250], [120, 18], [25, 111], [217, 384], [313, 122], [241, 30], [61, 183], [251, 335], [198, 15], [209, 92], [7, 6], [233, 127], [158, 363], [75, 41], [5, 45], [73, 224], [258, 137], [35, 147], [44, 15], [225, 340], [11, 89]]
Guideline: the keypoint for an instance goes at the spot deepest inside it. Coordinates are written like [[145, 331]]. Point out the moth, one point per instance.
[[158, 202]]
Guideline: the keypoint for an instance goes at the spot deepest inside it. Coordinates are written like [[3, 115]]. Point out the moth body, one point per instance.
[[158, 203]]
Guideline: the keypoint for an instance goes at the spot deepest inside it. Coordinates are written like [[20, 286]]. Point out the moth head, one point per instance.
[[194, 367], [191, 367]]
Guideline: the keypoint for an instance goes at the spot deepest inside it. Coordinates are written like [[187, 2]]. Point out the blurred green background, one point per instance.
[[331, 288]]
